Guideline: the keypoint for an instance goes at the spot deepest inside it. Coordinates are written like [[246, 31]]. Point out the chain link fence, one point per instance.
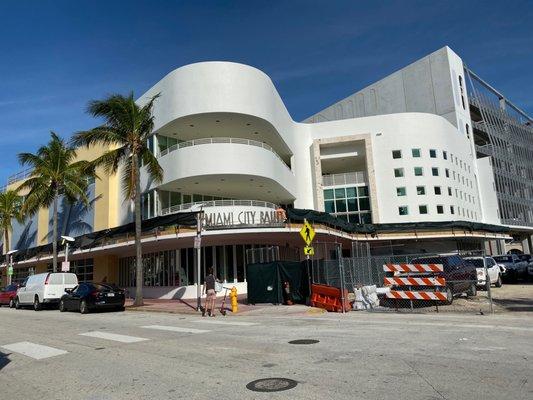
[[459, 282]]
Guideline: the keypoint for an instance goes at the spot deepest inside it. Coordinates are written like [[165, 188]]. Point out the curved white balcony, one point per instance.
[[226, 167]]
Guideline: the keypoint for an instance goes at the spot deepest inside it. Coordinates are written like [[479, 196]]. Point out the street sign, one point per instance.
[[65, 266], [10, 270], [307, 233], [309, 251], [197, 242]]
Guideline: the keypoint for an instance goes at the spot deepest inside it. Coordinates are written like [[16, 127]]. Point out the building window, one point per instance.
[[445, 155], [453, 174], [449, 191], [349, 203], [403, 210], [398, 172], [447, 172], [396, 154], [462, 91], [437, 190], [452, 210], [420, 190], [440, 209], [400, 191], [83, 269], [423, 209], [415, 153], [467, 131], [419, 171], [433, 153], [435, 171]]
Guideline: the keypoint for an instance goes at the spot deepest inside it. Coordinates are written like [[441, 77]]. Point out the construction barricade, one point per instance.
[[329, 298]]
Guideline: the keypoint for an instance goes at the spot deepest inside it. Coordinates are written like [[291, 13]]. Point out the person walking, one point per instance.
[[209, 289]]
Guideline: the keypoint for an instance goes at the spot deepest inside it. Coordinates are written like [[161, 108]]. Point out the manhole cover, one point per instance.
[[271, 385], [304, 341]]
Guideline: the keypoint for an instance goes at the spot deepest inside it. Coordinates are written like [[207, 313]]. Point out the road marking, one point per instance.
[[33, 350], [174, 329], [221, 322], [114, 336]]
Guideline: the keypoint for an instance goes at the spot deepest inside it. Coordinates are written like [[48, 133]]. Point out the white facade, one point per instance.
[[223, 132]]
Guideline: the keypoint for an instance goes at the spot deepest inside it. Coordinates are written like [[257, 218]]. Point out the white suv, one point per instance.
[[44, 288]]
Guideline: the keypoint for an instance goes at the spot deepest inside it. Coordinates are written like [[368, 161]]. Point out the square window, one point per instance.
[[419, 171], [403, 210], [364, 204], [420, 190], [449, 191], [400, 191], [447, 171], [328, 194], [329, 206], [440, 209], [433, 153], [362, 191], [398, 172], [453, 174], [435, 171], [350, 192], [423, 209], [352, 205], [396, 154], [340, 193], [340, 205], [415, 153], [444, 155], [437, 190], [452, 210]]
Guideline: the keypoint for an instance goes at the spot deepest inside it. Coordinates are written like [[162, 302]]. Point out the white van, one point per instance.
[[44, 288]]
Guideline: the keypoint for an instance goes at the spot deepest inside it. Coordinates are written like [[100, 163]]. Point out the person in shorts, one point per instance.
[[209, 289]]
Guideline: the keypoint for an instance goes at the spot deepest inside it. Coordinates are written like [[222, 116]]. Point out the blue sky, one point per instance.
[[57, 55]]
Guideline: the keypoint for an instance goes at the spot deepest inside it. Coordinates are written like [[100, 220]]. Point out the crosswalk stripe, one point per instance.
[[174, 329], [33, 350], [114, 336], [223, 322]]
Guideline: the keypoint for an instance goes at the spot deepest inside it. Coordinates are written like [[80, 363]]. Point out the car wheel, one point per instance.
[[449, 296], [499, 281], [17, 303], [62, 306], [83, 307], [11, 303], [121, 308], [36, 305], [472, 292]]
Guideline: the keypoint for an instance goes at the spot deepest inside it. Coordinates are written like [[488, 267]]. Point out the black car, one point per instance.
[[91, 296], [460, 274], [515, 267]]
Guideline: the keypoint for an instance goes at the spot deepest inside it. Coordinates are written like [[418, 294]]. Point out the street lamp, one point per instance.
[[198, 208], [66, 241], [9, 255]]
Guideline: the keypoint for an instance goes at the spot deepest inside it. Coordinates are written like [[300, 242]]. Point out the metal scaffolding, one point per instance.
[[504, 132]]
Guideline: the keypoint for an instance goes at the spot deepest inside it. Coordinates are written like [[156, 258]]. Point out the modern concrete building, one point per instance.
[[415, 147]]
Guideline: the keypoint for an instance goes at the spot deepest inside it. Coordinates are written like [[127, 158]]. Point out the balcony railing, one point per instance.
[[19, 176], [216, 140], [348, 178], [218, 203]]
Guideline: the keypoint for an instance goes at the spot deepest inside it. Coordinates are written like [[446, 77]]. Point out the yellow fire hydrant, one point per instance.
[[233, 297]]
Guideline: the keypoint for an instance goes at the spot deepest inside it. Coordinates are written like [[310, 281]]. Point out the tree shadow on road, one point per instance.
[[4, 360]]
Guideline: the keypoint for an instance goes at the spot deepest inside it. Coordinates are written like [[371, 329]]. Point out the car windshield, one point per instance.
[[503, 258], [477, 262]]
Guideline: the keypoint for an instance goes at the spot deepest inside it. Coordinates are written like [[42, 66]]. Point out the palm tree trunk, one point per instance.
[[139, 273], [6, 241], [54, 234]]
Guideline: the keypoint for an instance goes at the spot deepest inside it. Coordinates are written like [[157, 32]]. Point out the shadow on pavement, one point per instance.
[[4, 360]]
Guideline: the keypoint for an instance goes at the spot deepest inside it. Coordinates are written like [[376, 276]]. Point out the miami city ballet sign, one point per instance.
[[242, 218]]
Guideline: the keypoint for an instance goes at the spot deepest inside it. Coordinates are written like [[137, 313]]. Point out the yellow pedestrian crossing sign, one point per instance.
[[309, 251], [307, 233]]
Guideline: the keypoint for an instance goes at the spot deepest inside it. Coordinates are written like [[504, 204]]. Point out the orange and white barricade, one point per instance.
[[401, 285]]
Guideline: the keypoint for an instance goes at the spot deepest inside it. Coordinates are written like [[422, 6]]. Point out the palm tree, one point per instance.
[[126, 128], [54, 173], [10, 209]]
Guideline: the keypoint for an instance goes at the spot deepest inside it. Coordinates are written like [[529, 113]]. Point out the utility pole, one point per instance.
[[198, 247]]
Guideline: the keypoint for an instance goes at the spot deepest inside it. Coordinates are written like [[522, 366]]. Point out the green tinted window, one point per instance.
[[328, 194], [400, 191], [340, 205], [363, 191], [415, 152], [352, 205], [419, 171], [329, 206], [350, 192], [340, 193], [364, 204], [403, 210]]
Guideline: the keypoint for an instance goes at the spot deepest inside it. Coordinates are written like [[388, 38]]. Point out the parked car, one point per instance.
[[514, 267], [91, 296], [460, 274], [493, 268], [8, 294], [529, 259], [46, 288]]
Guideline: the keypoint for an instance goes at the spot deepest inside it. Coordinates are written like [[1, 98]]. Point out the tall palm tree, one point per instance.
[[10, 209], [54, 173], [126, 128]]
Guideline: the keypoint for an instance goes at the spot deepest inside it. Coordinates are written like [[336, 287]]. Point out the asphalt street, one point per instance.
[[133, 355]]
